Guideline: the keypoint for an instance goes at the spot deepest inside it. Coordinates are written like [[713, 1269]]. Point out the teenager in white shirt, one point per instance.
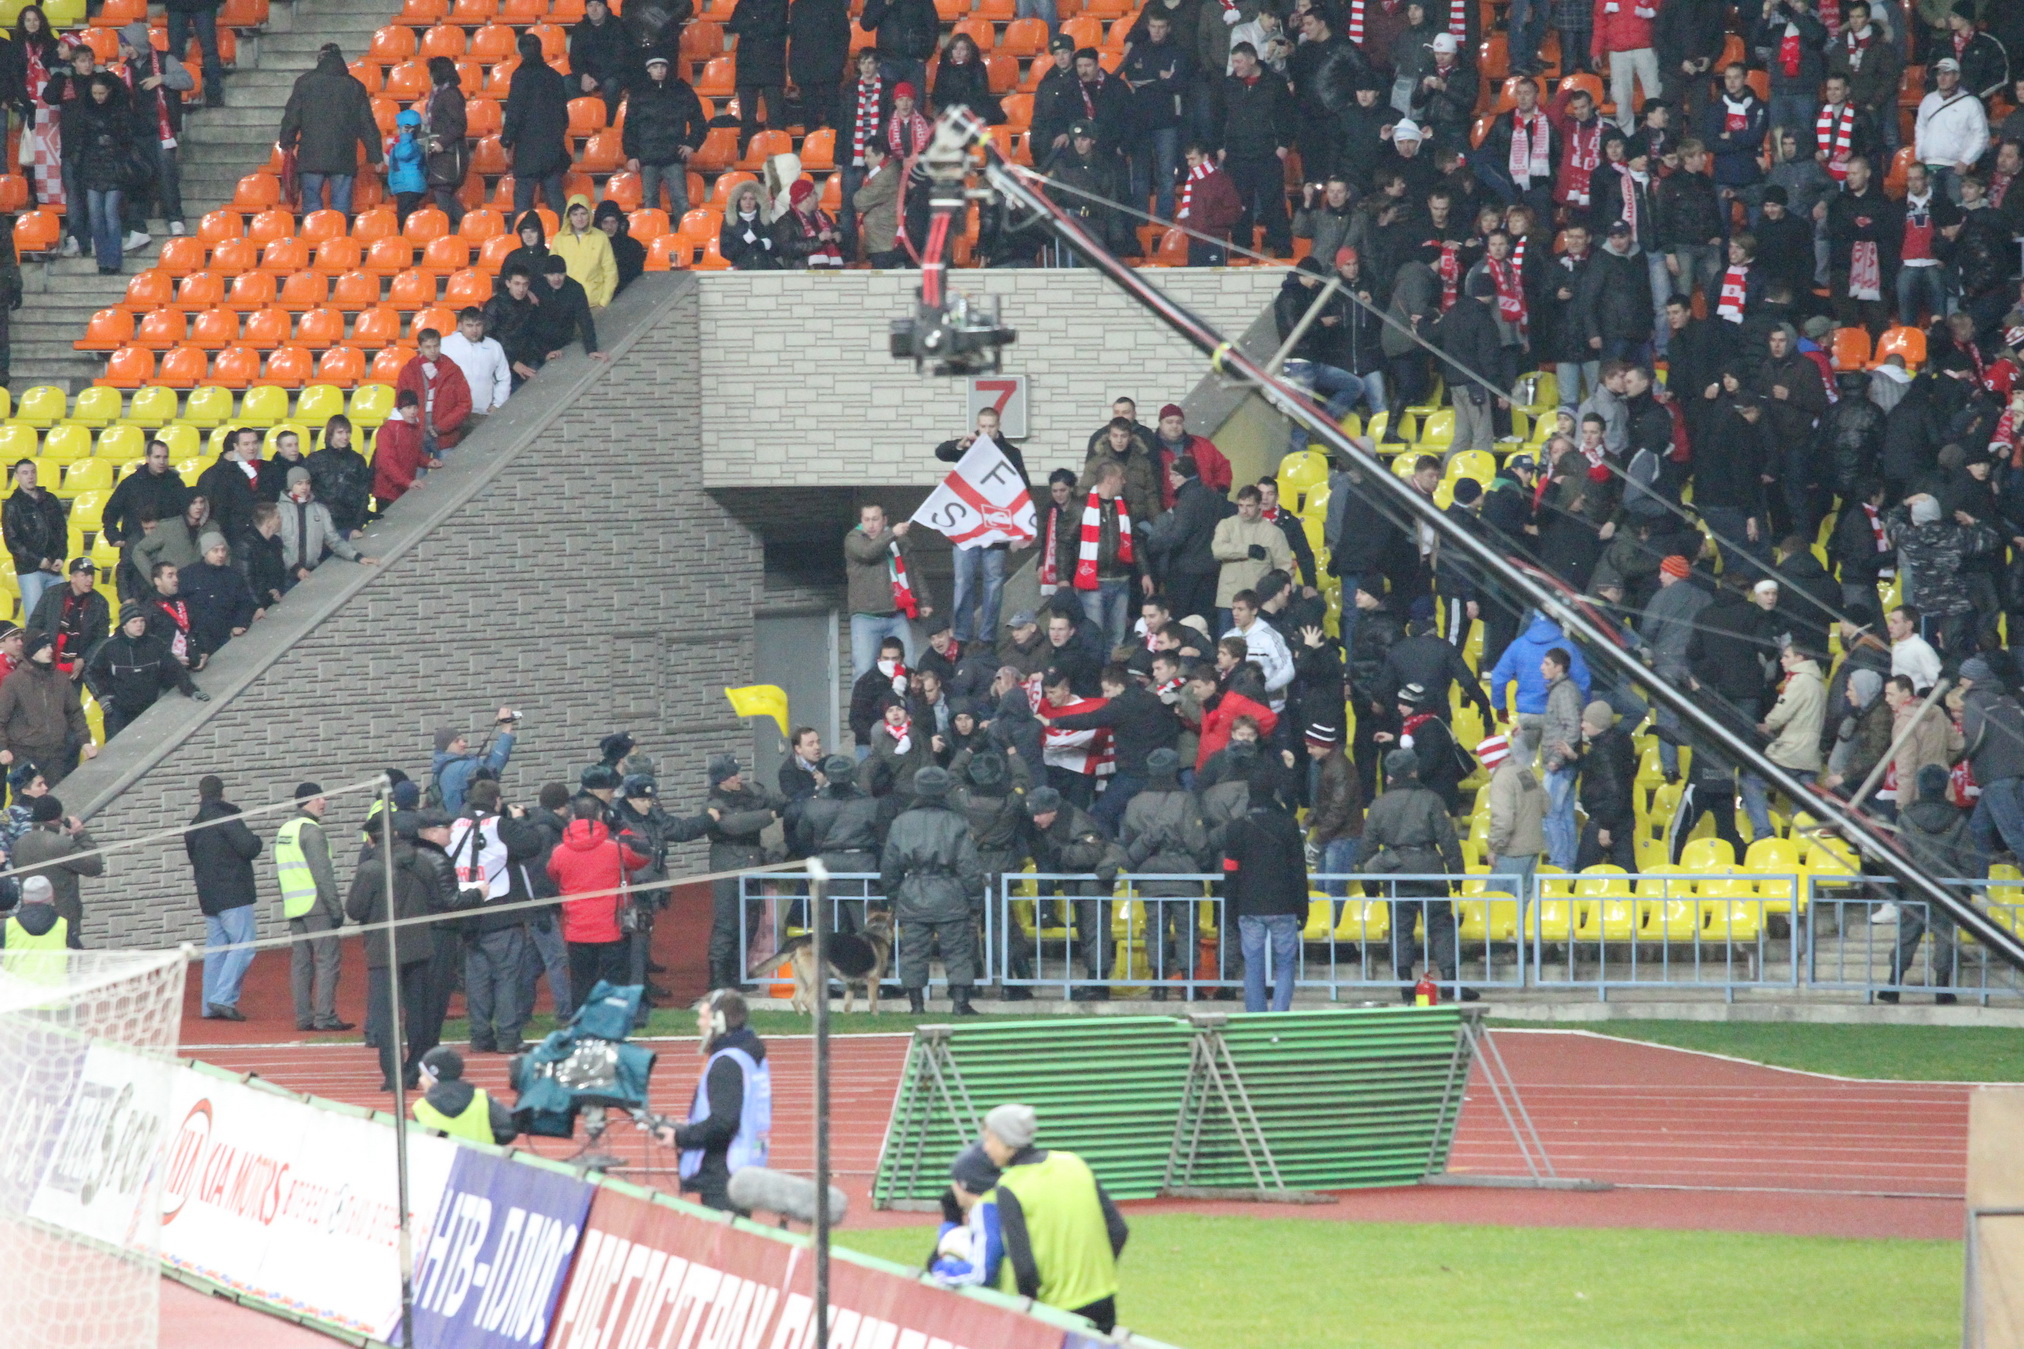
[[483, 362]]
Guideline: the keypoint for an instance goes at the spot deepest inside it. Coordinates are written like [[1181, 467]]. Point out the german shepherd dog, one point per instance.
[[856, 959]]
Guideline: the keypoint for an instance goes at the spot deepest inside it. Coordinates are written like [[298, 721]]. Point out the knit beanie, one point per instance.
[[1494, 750]]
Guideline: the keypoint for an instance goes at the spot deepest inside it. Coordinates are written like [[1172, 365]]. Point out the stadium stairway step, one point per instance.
[[59, 296]]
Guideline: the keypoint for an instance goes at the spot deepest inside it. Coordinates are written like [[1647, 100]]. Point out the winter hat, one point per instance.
[[1467, 491], [555, 265], [1676, 566], [904, 89], [974, 1170], [308, 791], [410, 118], [1171, 410], [37, 890], [1867, 684], [1345, 255], [1925, 511], [986, 769], [604, 778], [1598, 715], [445, 737], [211, 538], [1494, 750], [839, 768], [129, 611], [657, 59], [1042, 801], [1322, 735], [614, 748], [20, 775], [722, 766], [638, 787], [1405, 130], [1412, 695], [1162, 766], [932, 783], [444, 1062], [1778, 194], [45, 809], [1817, 327], [407, 795], [1401, 764], [1482, 286], [404, 823], [609, 210], [1978, 669], [801, 191], [1933, 782], [296, 477], [1012, 1125], [135, 35], [1445, 44], [431, 819]]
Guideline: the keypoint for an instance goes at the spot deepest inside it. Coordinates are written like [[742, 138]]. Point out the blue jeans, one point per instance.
[[1561, 838], [975, 568], [1796, 111], [1917, 286], [1519, 868], [551, 191], [1040, 9], [1999, 818], [1757, 803], [1108, 606], [1571, 375], [868, 630], [1338, 855], [1109, 811], [224, 971], [33, 583], [1662, 290], [106, 234], [1152, 169], [205, 22], [1527, 20], [1283, 929], [545, 953], [675, 178], [1341, 390], [340, 192]]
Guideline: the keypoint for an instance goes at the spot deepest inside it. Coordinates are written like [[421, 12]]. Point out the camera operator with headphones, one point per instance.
[[731, 1118]]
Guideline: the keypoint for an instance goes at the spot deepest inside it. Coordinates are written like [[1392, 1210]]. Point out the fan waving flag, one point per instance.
[[983, 502]]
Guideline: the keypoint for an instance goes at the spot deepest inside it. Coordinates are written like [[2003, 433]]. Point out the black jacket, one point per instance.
[[818, 41], [99, 141], [663, 116], [329, 115], [1436, 665], [1689, 211], [599, 50], [564, 316], [1258, 116], [1808, 600], [1180, 540], [1730, 459], [232, 497], [342, 479], [34, 528], [713, 1134], [1468, 335], [1608, 776], [907, 29], [761, 29], [1140, 723], [536, 126], [130, 673], [222, 858], [513, 323], [414, 897], [76, 627], [220, 600], [969, 85], [748, 247], [1733, 646], [1265, 867], [164, 493]]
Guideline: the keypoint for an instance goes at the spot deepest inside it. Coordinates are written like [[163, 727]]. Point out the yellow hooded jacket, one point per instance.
[[588, 255]]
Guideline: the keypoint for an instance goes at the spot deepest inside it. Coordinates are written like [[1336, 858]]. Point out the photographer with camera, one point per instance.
[[456, 765], [491, 851], [731, 1119]]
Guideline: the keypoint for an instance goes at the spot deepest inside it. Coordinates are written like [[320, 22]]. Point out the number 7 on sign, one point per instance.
[[1005, 395], [1004, 388]]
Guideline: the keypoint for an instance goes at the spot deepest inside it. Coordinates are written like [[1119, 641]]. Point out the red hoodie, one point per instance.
[[397, 456], [1217, 723], [451, 394], [587, 861]]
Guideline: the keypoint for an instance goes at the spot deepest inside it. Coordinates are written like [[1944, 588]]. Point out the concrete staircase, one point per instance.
[[220, 145]]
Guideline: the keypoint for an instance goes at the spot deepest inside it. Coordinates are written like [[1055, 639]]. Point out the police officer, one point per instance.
[[731, 1118], [936, 881], [1061, 1233], [649, 830], [1066, 839], [314, 910], [35, 939], [743, 809], [457, 1108], [844, 826], [990, 790]]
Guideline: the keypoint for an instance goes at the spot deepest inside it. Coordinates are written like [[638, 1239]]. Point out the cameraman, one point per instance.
[[732, 1115], [491, 852], [451, 771]]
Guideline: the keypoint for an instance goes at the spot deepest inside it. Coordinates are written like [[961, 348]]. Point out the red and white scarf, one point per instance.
[[1735, 293], [896, 674], [1788, 52], [1584, 153], [1530, 160], [1450, 268], [904, 598], [1834, 131], [1876, 533], [1195, 175], [1865, 271], [902, 734], [2006, 441], [133, 78], [179, 614], [1642, 11], [1088, 100], [1356, 16], [812, 225], [1090, 753], [1630, 187], [1856, 45], [1736, 112], [1049, 575], [1458, 19], [864, 124], [1092, 539], [1510, 291]]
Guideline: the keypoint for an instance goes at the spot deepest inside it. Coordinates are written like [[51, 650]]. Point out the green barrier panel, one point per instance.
[[1270, 1103], [1107, 1088]]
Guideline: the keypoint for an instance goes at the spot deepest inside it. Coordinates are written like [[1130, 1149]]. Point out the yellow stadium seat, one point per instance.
[[1380, 424], [1437, 432], [274, 433], [214, 444], [153, 406], [1708, 854], [97, 406], [43, 405], [84, 476], [104, 556], [208, 406], [1478, 464], [1318, 914], [17, 441], [1364, 921], [264, 406], [371, 404], [318, 403], [122, 443], [87, 509], [1301, 472], [1491, 918], [184, 442], [1538, 391], [66, 441]]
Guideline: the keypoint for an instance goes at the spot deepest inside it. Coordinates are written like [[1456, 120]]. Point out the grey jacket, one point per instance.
[[169, 541], [931, 870], [1517, 810], [1992, 727], [1411, 824], [1668, 626], [1562, 723], [307, 533], [48, 852], [1163, 831]]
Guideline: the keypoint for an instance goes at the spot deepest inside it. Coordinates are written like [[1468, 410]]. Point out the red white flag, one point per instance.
[[984, 501]]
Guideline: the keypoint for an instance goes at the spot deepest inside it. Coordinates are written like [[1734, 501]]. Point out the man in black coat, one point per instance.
[[1056, 104], [598, 53], [818, 42], [761, 29], [155, 486], [329, 115], [1179, 543], [35, 531], [221, 850], [664, 126], [1139, 723], [1468, 336], [1865, 232], [74, 616], [1734, 647], [1257, 130], [1608, 780], [232, 490], [130, 670], [907, 33], [564, 315], [536, 129], [1265, 884]]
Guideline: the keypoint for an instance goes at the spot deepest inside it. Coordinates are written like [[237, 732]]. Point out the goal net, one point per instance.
[[87, 1044]]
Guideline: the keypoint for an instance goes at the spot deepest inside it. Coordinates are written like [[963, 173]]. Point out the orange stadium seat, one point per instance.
[[355, 291], [378, 223], [285, 257], [439, 317], [818, 150], [251, 290], [215, 329], [184, 366], [668, 252], [473, 12], [163, 328], [320, 328], [602, 151], [37, 231], [585, 116], [303, 290], [412, 289], [624, 188], [493, 43], [288, 368], [322, 224], [256, 192], [468, 287], [268, 328], [389, 256], [342, 366], [108, 330], [647, 225], [377, 327], [422, 13], [386, 367], [481, 224], [198, 291], [367, 73], [1024, 37], [129, 368], [216, 226], [233, 256], [445, 255], [424, 224], [483, 117], [445, 39]]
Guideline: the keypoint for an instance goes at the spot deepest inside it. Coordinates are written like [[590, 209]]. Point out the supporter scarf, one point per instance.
[[1092, 539], [1412, 728], [897, 673], [1830, 14], [1856, 45], [1450, 268], [902, 734], [813, 224], [1195, 175], [2006, 442], [1999, 185], [1169, 690], [38, 73], [903, 589], [1974, 355], [1458, 20], [179, 614], [1865, 271], [1584, 152], [910, 142], [1788, 52], [1736, 112], [1876, 533], [1641, 11], [1632, 180], [133, 79], [1530, 160], [1088, 103], [1518, 256], [1735, 290], [251, 468], [1271, 514], [1090, 753], [1048, 575], [1834, 130], [1918, 241], [1961, 41], [1510, 293], [864, 126]]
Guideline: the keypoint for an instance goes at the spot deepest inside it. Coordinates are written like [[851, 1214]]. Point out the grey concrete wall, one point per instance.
[[567, 563]]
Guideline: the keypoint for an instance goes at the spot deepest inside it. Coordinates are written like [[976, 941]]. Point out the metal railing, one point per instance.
[[1171, 935]]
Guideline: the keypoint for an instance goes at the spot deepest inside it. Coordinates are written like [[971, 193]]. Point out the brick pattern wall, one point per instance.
[[617, 599], [783, 407]]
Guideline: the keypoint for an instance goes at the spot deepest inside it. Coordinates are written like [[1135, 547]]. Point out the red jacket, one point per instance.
[[1214, 208], [1623, 25], [1209, 462], [397, 456], [1218, 721], [589, 860], [452, 396]]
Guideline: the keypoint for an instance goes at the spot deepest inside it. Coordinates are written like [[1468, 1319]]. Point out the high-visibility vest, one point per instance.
[[298, 886], [41, 959], [1065, 1229], [474, 1121]]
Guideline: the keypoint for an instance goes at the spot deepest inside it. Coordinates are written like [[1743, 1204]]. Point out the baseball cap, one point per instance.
[[1947, 63], [1083, 128], [1445, 44]]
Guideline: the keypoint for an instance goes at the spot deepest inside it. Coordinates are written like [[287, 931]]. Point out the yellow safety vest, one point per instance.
[[1065, 1227], [473, 1122], [38, 960], [298, 886]]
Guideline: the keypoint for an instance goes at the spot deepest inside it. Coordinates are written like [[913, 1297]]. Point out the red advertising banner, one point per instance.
[[652, 1276]]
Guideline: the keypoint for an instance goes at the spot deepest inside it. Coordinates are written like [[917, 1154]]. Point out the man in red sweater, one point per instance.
[[397, 454], [590, 863], [1208, 205], [439, 386]]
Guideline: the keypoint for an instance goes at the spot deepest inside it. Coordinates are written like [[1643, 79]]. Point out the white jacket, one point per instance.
[[1952, 130], [485, 368], [1264, 645]]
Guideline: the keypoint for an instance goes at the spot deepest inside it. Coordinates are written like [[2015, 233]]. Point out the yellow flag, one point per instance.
[[761, 700]]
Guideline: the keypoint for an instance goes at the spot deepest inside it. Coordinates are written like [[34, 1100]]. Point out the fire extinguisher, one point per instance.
[[1426, 993]]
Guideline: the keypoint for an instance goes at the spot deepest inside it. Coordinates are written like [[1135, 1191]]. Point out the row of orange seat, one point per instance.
[[242, 367]]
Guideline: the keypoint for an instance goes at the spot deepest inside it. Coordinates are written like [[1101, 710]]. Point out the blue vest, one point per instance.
[[755, 1122]]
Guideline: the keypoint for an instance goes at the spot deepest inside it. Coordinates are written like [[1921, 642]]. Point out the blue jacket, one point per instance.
[[405, 171], [1520, 662], [453, 772]]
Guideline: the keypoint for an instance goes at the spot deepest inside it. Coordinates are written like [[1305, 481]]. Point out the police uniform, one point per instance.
[[936, 881], [844, 827]]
